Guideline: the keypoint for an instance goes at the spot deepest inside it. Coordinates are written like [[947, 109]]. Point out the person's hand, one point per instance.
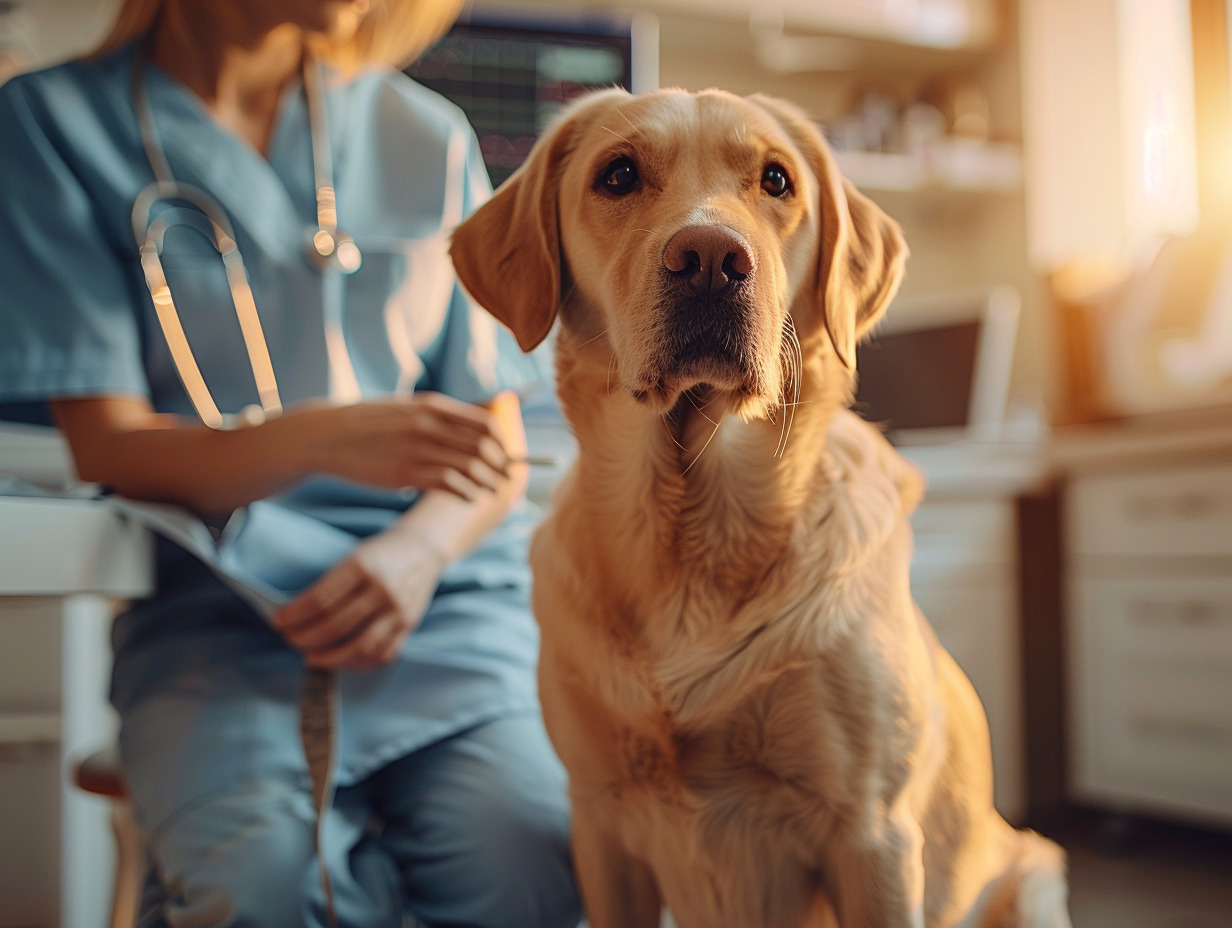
[[426, 441], [357, 616]]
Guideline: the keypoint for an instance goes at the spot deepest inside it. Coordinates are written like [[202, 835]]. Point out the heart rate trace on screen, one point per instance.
[[512, 76]]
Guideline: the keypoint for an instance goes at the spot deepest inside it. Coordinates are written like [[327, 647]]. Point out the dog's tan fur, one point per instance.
[[759, 727]]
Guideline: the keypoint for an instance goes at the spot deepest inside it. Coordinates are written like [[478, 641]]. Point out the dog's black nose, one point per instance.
[[708, 258]]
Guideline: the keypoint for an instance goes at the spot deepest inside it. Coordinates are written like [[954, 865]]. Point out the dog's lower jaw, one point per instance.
[[711, 389], [705, 483]]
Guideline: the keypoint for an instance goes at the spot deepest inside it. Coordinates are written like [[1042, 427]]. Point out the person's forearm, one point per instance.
[[450, 526], [206, 470], [426, 441]]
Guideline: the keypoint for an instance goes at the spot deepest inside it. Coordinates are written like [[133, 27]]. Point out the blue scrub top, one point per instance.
[[76, 320]]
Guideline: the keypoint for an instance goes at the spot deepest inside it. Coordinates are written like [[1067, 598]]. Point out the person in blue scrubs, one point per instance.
[[382, 505]]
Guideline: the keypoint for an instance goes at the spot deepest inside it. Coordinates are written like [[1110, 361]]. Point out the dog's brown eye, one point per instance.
[[774, 180], [619, 177]]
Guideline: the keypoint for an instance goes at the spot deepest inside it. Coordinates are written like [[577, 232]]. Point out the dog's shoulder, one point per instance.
[[866, 492], [860, 453]]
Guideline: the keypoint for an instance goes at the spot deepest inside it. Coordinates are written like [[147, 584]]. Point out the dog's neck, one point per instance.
[[711, 494]]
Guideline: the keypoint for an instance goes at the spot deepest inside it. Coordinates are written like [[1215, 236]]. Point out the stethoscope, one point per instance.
[[325, 246]]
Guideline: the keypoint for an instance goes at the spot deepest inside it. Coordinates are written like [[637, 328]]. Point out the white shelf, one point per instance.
[[58, 547], [36, 454], [957, 166], [942, 24]]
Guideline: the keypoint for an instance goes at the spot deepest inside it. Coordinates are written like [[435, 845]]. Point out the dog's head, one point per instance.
[[699, 234]]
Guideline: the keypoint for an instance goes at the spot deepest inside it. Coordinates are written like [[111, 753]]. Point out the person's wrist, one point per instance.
[[426, 549], [414, 538], [296, 441]]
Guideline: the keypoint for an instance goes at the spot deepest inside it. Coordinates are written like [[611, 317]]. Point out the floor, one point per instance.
[[1131, 873]]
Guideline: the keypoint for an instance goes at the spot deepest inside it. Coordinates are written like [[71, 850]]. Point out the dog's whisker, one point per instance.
[[667, 423], [617, 134], [596, 338], [621, 113], [693, 400], [797, 377], [791, 419], [782, 443], [610, 364], [700, 409], [689, 467], [789, 375], [706, 417], [793, 363], [791, 411]]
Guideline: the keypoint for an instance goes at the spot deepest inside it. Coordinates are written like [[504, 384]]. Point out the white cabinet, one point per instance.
[[964, 576], [1180, 511], [61, 563], [1150, 633]]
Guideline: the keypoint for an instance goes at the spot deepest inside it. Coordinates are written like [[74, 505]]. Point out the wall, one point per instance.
[[57, 29], [958, 239]]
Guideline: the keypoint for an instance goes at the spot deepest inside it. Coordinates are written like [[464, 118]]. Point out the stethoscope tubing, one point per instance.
[[328, 248]]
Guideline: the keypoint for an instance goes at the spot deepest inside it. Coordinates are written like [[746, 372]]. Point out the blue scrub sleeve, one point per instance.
[[67, 315], [477, 356]]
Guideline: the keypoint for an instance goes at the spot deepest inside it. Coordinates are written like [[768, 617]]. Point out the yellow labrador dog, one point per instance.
[[760, 728]]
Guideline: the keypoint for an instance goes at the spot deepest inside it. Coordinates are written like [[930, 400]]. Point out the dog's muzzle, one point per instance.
[[708, 330]]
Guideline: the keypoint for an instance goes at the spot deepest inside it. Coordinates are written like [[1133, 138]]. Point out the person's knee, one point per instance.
[[481, 830], [237, 860], [521, 846]]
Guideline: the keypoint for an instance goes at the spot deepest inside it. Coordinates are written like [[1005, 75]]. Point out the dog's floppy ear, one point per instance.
[[860, 262], [861, 251], [508, 253]]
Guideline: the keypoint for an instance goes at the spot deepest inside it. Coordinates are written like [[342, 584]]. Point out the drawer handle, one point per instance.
[[1178, 506], [1190, 613]]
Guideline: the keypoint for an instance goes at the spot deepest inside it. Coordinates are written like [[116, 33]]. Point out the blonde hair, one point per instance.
[[392, 33]]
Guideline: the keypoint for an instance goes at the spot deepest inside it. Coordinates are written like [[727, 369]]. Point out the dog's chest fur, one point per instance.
[[713, 658]]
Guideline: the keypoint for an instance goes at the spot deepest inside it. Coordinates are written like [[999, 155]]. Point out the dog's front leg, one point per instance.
[[879, 875], [618, 890]]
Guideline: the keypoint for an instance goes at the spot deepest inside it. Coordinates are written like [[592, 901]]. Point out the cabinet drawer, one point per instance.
[[962, 533], [29, 836], [1172, 511], [977, 625], [30, 672], [1151, 677], [1162, 621]]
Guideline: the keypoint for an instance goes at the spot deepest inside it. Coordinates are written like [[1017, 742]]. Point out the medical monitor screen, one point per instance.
[[918, 379], [511, 79]]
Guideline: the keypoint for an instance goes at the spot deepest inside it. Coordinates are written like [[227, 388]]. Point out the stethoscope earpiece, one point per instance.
[[333, 249]]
